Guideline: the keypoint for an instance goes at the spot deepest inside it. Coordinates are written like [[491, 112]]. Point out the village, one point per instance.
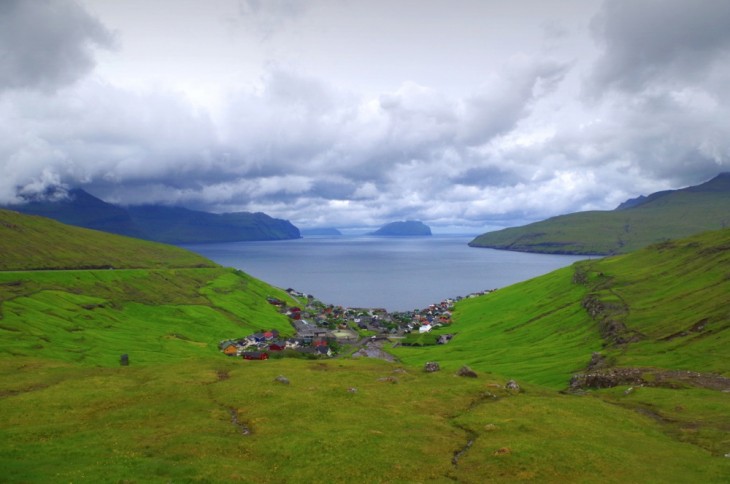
[[325, 331]]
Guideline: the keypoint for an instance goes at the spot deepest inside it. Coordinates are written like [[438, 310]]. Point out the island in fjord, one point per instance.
[[402, 229]]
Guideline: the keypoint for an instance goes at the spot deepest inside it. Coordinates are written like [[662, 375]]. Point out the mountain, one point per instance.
[[155, 222], [634, 224], [176, 225], [80, 208], [407, 228]]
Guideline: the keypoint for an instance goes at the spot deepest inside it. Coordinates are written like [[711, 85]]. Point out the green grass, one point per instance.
[[172, 421], [535, 331], [70, 412], [31, 243], [92, 317]]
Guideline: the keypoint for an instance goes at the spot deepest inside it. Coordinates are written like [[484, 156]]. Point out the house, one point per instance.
[[323, 351], [254, 355], [292, 343], [277, 346], [425, 328], [230, 350]]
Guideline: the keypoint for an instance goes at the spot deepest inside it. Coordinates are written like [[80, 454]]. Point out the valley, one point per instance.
[[183, 411]]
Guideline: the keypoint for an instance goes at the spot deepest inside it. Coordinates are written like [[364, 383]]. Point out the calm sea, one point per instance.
[[395, 273]]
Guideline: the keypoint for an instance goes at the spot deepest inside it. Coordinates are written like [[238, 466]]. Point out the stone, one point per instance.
[[597, 361], [282, 379], [388, 379], [512, 386], [352, 390], [431, 366], [466, 371]]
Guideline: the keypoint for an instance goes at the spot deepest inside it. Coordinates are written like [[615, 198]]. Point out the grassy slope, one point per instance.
[[539, 333], [68, 412], [28, 243], [91, 317], [675, 215], [538, 330]]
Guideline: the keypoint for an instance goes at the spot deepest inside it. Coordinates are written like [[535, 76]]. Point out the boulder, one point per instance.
[[282, 379], [431, 366], [512, 386], [466, 371]]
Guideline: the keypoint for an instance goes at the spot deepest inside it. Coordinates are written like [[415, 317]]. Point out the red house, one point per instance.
[[277, 347], [255, 355]]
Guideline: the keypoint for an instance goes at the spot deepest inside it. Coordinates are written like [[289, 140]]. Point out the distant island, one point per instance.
[[400, 229], [320, 231]]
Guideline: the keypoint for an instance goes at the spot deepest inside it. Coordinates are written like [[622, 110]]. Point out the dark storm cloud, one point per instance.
[[664, 41], [45, 44]]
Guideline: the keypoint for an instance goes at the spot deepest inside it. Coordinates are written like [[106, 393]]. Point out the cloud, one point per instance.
[[267, 17], [545, 127], [95, 135], [499, 105], [46, 44], [660, 83], [670, 42]]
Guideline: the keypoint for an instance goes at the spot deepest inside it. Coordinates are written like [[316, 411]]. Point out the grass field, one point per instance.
[[183, 412], [172, 421]]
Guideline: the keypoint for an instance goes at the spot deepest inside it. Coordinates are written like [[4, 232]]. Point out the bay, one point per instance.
[[394, 273]]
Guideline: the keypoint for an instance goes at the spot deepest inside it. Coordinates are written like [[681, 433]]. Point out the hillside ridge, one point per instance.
[[634, 224]]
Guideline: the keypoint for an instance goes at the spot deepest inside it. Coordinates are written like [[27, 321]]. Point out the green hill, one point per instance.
[[29, 242], [182, 411], [648, 331], [635, 224]]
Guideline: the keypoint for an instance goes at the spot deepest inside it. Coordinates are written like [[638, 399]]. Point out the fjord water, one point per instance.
[[395, 273]]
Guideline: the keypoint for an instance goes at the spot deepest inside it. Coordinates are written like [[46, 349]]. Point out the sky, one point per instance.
[[469, 115]]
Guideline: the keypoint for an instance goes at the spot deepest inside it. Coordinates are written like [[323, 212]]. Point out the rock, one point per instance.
[[466, 371], [282, 379], [597, 361], [352, 390], [388, 379], [512, 386], [431, 366], [490, 428]]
